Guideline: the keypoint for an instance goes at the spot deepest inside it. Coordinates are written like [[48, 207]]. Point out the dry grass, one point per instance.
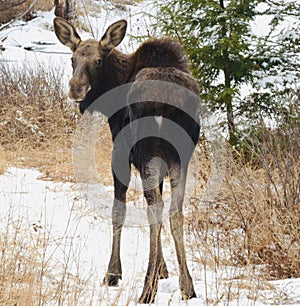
[[43, 5], [37, 122], [20, 260], [3, 161], [28, 273], [255, 219], [35, 111], [38, 125]]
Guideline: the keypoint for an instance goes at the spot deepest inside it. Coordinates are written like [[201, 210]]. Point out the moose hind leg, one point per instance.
[[163, 270], [177, 179], [156, 266]]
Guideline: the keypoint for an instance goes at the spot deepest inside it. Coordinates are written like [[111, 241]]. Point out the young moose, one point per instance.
[[98, 68]]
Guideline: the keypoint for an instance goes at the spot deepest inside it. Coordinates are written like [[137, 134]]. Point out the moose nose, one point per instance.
[[78, 91]]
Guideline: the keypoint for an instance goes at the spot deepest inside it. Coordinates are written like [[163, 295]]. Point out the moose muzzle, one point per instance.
[[78, 89]]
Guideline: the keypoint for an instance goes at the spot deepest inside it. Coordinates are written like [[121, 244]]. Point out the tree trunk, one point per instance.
[[230, 122], [66, 9], [227, 99], [229, 109]]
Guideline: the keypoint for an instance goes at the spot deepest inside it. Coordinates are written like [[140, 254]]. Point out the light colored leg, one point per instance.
[[114, 271], [156, 266], [176, 223]]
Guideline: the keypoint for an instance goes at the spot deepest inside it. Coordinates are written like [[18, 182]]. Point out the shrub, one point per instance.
[[255, 219], [35, 111]]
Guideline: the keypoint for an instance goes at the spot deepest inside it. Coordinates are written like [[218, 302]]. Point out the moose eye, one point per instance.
[[98, 62]]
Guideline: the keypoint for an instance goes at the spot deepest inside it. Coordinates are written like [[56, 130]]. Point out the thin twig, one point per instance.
[[87, 17]]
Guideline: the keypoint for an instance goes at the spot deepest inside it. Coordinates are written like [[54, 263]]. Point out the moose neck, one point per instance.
[[118, 68]]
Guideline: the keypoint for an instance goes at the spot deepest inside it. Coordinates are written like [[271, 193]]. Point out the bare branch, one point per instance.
[[19, 16], [12, 5]]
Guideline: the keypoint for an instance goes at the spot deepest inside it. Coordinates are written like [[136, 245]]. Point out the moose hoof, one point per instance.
[[188, 294], [112, 280], [146, 298], [163, 272]]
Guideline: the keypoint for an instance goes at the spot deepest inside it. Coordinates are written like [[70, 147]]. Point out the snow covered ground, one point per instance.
[[79, 241], [78, 237]]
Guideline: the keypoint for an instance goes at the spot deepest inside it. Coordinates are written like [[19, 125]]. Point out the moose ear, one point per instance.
[[66, 33], [113, 35]]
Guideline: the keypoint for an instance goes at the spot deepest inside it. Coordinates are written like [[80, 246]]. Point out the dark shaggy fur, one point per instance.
[[160, 60]]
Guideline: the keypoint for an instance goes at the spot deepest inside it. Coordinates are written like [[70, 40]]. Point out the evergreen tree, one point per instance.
[[226, 54]]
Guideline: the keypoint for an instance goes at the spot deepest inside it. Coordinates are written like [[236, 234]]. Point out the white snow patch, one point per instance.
[[77, 233]]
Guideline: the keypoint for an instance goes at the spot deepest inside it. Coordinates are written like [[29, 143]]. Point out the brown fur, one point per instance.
[[163, 52], [97, 68]]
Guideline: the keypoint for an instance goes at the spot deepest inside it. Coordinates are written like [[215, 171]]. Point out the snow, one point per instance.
[[80, 243], [78, 229]]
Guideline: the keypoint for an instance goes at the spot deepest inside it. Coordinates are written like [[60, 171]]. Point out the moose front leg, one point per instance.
[[114, 271]]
